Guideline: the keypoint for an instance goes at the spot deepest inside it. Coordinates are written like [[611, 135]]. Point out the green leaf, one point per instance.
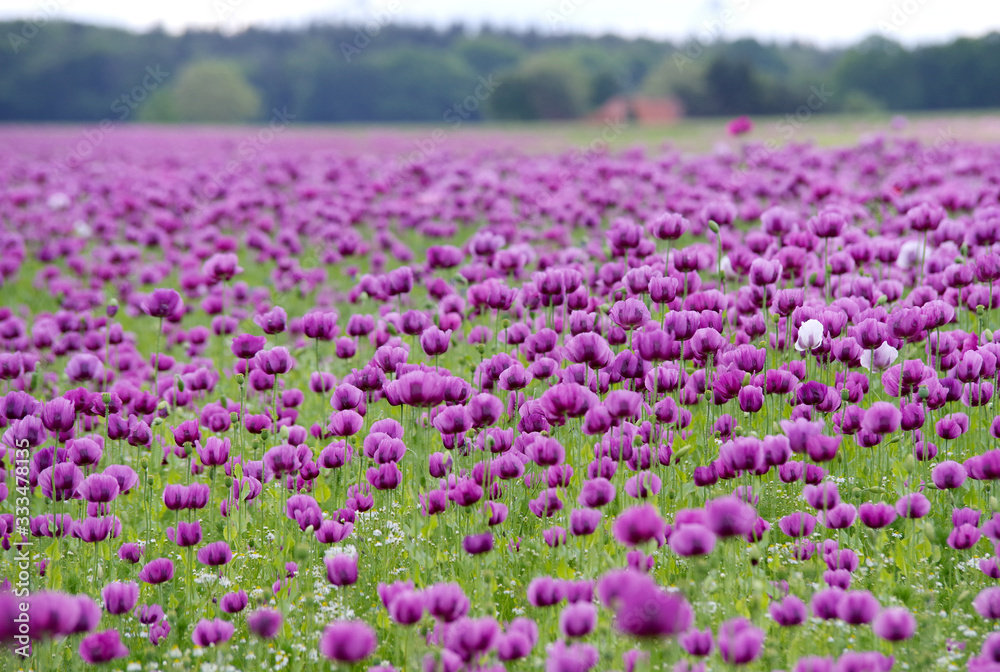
[[429, 527], [899, 558], [53, 553]]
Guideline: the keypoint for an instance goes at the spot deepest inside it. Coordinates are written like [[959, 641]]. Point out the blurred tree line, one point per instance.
[[340, 73]]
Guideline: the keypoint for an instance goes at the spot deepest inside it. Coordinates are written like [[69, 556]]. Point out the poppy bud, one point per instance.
[[712, 226], [144, 463], [157, 421]]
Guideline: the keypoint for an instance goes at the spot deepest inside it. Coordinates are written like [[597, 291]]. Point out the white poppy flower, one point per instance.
[[810, 335], [885, 355]]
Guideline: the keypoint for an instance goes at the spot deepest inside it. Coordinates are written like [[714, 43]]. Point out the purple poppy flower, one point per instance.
[[157, 571], [584, 522], [894, 624], [797, 524], [476, 544], [697, 642], [209, 633], [729, 517], [739, 641], [341, 570], [789, 612], [638, 525], [446, 602], [162, 303], [578, 619], [233, 603], [265, 623], [913, 505], [948, 475], [825, 603], [876, 515], [964, 536], [215, 554], [692, 539], [120, 598], [857, 607], [407, 607], [102, 647]]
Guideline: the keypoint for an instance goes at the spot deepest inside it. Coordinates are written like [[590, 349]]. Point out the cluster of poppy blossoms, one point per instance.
[[500, 410]]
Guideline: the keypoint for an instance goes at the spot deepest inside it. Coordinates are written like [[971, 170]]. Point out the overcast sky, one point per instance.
[[826, 22]]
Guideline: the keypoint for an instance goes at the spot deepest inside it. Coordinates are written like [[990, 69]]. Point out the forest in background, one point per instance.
[[70, 72]]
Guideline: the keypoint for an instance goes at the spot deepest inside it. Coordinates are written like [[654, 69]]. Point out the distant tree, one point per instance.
[[883, 71], [159, 108], [677, 73], [734, 87], [604, 86], [214, 91], [543, 87], [75, 72], [398, 85], [488, 54]]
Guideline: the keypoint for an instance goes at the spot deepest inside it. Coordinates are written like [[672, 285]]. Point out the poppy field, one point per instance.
[[340, 406]]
